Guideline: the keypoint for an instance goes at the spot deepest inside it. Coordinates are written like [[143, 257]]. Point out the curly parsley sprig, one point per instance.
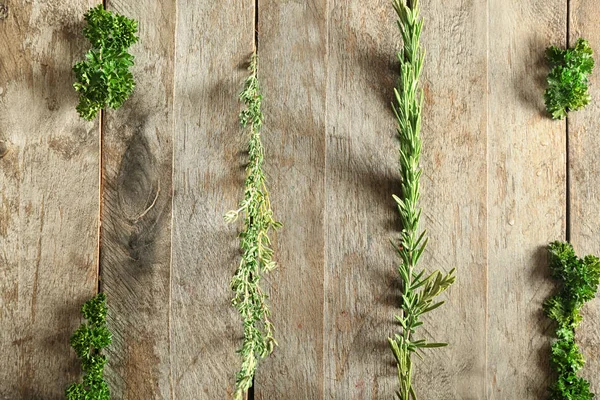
[[568, 79], [103, 78], [420, 288], [579, 279], [257, 255], [88, 341]]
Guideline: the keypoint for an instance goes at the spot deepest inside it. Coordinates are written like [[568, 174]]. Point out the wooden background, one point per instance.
[[134, 204]]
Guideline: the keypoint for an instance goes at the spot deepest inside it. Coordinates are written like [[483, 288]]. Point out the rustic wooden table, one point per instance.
[[500, 181]]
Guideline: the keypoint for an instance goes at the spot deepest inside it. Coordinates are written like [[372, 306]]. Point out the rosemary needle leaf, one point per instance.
[[418, 295]]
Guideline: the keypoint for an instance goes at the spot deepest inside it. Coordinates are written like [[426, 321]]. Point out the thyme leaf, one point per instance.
[[257, 254]]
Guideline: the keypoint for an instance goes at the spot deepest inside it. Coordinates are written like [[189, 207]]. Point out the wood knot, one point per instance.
[[3, 11], [3, 149]]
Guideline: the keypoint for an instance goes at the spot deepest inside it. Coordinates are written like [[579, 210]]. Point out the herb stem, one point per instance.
[[418, 289], [257, 255]]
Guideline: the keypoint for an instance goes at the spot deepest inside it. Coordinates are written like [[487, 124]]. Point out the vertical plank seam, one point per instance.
[[100, 200], [256, 26], [325, 202], [173, 88], [100, 189], [567, 148], [250, 392], [487, 386]]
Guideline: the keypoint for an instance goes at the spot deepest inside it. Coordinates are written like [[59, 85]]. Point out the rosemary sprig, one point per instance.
[[88, 341], [419, 288], [579, 279], [257, 255]]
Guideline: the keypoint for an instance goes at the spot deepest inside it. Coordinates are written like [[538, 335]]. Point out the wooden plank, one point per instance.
[[584, 172], [292, 47], [49, 198], [136, 212], [362, 287], [526, 197], [214, 40]]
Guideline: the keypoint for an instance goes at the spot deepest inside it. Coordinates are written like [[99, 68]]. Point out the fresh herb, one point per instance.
[[104, 79], [257, 255], [579, 279], [568, 80], [419, 288], [88, 341]]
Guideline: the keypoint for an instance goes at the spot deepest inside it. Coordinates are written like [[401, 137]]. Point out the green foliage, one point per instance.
[[257, 255], [420, 289], [104, 77], [88, 341], [579, 279], [568, 80]]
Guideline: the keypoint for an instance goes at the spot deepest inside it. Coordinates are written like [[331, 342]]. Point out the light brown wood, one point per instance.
[[493, 196], [135, 242], [48, 198], [292, 46], [362, 286], [214, 41], [455, 195], [584, 171], [526, 197]]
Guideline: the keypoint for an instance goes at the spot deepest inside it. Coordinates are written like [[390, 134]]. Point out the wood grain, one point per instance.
[[292, 47], [455, 195], [494, 193], [214, 41], [362, 286], [48, 201], [526, 196], [584, 171], [360, 280], [137, 152]]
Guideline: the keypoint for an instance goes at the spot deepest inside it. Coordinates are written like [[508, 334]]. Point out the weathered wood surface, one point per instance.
[[584, 181], [454, 195], [48, 198], [493, 193], [360, 217], [526, 195], [292, 39], [214, 42], [135, 256]]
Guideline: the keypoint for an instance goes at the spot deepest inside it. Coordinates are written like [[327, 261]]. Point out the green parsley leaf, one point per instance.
[[579, 279], [88, 341], [568, 79], [103, 78]]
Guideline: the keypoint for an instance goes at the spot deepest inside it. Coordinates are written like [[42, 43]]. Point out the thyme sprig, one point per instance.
[[420, 289], [257, 254], [103, 78], [579, 279], [88, 341]]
